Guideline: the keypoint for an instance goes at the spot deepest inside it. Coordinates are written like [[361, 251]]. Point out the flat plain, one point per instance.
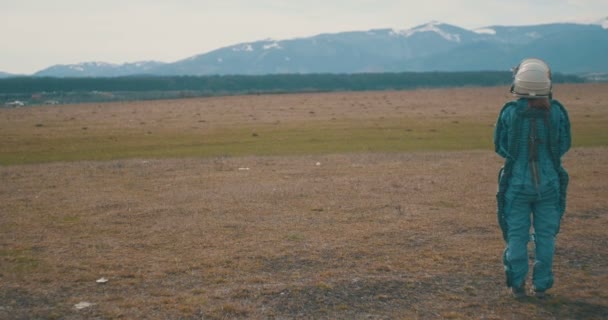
[[357, 205]]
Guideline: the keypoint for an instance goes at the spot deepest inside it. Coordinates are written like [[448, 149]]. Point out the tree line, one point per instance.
[[247, 84]]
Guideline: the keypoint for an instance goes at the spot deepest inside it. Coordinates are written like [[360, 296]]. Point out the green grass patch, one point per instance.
[[590, 132], [317, 137], [18, 261]]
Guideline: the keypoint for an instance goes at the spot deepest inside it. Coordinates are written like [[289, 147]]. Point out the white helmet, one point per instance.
[[531, 79]]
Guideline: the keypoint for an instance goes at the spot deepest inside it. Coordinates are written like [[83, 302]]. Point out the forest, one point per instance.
[[39, 90]]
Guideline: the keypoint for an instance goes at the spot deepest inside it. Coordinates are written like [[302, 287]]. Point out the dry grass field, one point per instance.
[[368, 205]]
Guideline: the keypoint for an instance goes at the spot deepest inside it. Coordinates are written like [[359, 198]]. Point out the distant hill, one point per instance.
[[435, 46], [100, 69], [5, 75]]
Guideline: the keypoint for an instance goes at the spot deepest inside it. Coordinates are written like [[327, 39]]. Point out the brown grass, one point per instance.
[[359, 236]]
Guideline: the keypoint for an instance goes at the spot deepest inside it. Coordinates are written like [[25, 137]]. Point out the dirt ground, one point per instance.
[[335, 236]]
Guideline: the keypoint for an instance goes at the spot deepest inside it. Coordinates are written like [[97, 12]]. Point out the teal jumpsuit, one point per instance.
[[532, 186]]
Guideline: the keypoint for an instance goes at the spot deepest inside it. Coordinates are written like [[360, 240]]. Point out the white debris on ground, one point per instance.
[[244, 169], [318, 164], [102, 280], [83, 305]]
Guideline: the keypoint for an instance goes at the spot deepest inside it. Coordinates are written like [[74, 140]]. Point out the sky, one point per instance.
[[36, 34]]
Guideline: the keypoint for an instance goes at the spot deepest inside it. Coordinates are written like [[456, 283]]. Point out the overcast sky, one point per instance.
[[36, 34]]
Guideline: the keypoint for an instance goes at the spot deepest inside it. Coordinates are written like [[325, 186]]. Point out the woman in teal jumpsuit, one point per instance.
[[532, 134]]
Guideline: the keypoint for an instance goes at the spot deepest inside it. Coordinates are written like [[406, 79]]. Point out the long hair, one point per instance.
[[541, 103]]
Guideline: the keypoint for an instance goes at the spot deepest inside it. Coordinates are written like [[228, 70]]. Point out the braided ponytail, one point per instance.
[[540, 103]]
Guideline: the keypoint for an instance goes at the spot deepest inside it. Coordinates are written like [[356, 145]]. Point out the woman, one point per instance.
[[532, 134]]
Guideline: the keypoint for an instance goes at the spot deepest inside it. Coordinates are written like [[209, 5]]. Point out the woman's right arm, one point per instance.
[[501, 136]]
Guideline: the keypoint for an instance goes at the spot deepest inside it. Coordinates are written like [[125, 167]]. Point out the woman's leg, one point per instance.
[[517, 212], [546, 223]]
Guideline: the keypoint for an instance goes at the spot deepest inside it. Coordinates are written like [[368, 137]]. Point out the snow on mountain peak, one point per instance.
[[485, 31], [604, 23], [433, 26], [273, 45], [244, 47], [76, 67], [97, 64]]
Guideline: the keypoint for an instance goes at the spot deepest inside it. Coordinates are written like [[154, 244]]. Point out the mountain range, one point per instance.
[[435, 46]]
